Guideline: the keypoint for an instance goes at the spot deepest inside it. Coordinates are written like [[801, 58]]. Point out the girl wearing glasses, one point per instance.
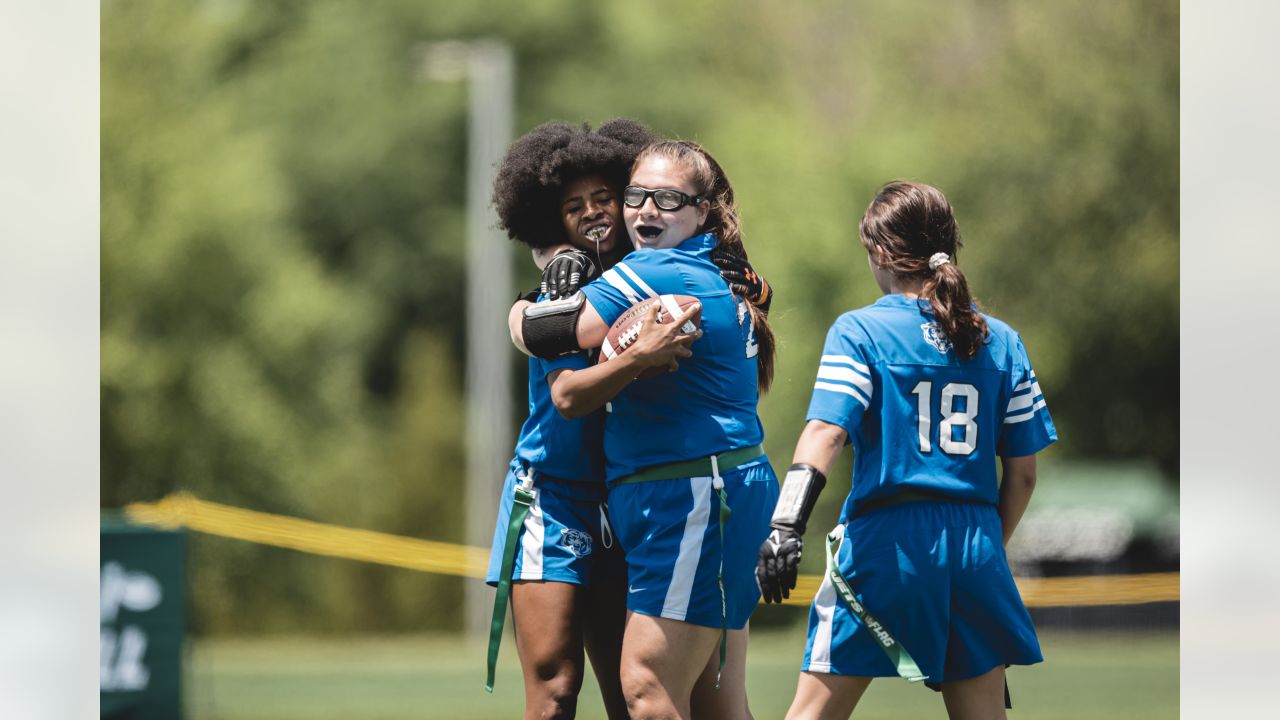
[[690, 490], [931, 393], [557, 191]]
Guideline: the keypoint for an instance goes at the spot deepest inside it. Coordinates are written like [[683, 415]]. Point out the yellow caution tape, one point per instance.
[[1059, 591], [1100, 589], [186, 510]]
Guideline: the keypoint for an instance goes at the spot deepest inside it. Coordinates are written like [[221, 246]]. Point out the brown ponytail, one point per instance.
[[706, 175], [905, 226]]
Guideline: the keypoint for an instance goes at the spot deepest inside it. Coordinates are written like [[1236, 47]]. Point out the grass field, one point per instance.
[[1102, 675]]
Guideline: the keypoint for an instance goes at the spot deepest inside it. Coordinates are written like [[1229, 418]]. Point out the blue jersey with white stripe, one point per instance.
[[554, 446], [709, 405], [918, 417]]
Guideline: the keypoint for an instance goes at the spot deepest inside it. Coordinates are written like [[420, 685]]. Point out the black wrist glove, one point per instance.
[[780, 553], [779, 563], [742, 278], [567, 272]]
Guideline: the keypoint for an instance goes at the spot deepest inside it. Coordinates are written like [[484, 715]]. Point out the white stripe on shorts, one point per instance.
[[535, 529], [824, 604], [676, 604]]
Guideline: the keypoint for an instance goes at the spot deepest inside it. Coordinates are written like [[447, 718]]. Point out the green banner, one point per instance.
[[143, 617]]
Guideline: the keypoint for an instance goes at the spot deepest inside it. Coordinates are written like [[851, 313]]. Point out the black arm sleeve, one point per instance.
[[550, 328]]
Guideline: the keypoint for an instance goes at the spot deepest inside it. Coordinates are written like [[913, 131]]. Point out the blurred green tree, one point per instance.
[[282, 237]]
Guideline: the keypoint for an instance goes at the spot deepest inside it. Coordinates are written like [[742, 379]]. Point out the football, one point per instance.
[[623, 332]]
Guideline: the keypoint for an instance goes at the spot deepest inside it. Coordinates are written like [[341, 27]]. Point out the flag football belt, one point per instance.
[[898, 655], [524, 496], [703, 467], [700, 467], [910, 495]]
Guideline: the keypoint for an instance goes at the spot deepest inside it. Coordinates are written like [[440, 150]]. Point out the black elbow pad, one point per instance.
[[550, 328]]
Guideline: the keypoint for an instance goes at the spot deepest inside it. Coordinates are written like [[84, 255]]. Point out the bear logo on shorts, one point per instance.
[[576, 541], [933, 335]]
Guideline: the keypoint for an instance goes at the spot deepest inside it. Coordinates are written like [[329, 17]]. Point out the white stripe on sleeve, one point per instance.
[[844, 374], [845, 389], [846, 360], [1012, 419], [613, 278], [648, 291], [1020, 403]]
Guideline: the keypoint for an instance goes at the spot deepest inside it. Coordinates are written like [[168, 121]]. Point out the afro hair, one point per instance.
[[536, 168]]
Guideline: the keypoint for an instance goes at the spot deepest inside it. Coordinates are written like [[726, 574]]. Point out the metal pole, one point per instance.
[[490, 419]]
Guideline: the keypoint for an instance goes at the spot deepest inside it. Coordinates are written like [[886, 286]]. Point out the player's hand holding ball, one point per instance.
[[655, 334], [663, 345], [779, 564]]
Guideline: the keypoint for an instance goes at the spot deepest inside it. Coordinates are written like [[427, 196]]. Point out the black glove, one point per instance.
[[779, 563], [742, 278], [566, 272]]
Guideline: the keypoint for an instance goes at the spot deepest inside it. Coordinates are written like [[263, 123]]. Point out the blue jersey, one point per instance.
[[709, 405], [554, 446], [918, 417]]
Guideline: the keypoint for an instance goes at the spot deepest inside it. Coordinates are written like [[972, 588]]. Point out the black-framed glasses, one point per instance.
[[665, 198]]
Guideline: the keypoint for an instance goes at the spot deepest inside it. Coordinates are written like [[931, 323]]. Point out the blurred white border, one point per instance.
[[49, 358], [49, 309], [1230, 240]]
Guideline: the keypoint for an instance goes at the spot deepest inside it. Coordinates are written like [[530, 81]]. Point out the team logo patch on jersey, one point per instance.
[[577, 542], [933, 335]]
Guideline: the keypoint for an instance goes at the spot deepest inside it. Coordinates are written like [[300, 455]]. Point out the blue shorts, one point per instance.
[[670, 531], [565, 537], [935, 574]]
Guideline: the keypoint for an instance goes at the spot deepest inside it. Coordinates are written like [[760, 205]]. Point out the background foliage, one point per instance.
[[282, 229]]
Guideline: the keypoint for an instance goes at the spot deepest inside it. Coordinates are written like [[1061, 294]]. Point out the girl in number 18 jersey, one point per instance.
[[932, 394]]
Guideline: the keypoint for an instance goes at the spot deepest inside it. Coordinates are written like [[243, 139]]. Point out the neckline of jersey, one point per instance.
[[900, 300], [701, 241]]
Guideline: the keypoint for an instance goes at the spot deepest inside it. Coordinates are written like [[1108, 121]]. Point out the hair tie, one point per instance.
[[937, 260]]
